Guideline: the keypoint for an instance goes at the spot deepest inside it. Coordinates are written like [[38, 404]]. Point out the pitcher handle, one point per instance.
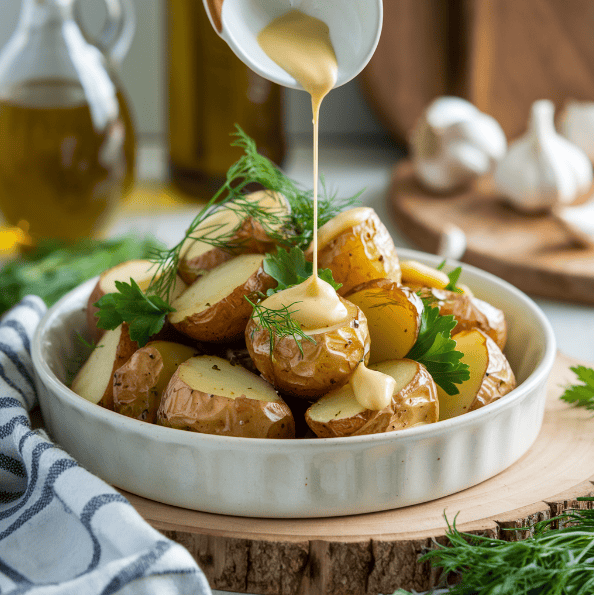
[[117, 33]]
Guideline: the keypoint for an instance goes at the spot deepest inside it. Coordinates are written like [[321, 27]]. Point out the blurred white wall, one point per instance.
[[143, 76]]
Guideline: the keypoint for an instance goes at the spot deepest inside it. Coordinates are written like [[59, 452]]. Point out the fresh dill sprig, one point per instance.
[[294, 229], [302, 214], [251, 168], [581, 395], [279, 323], [554, 561]]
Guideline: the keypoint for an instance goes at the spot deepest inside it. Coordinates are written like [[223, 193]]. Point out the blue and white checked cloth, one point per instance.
[[62, 530]]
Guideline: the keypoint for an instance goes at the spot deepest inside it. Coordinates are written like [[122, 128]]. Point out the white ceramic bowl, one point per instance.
[[308, 477]]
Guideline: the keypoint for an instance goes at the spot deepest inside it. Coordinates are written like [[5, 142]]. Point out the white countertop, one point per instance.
[[351, 165]]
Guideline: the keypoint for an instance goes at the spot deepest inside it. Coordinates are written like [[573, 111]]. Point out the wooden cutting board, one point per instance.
[[533, 252], [378, 552]]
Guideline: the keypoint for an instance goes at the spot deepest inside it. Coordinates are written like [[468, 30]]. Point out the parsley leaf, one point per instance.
[[581, 395], [290, 268], [436, 350], [145, 314], [453, 276]]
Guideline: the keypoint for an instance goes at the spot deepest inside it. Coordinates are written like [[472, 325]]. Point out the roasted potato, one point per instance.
[[247, 235], [321, 366], [214, 308], [356, 246], [393, 316], [94, 380], [414, 402], [140, 382], [208, 394], [491, 376], [470, 312], [142, 271]]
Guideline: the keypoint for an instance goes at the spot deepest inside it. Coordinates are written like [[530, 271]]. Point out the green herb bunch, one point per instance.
[[52, 268], [554, 561]]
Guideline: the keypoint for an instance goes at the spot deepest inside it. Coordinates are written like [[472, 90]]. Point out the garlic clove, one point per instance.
[[576, 124], [541, 169], [454, 143]]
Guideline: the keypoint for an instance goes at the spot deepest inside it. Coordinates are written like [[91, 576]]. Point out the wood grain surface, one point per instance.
[[533, 252], [378, 552]]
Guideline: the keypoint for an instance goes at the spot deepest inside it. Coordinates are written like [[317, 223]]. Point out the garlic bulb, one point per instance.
[[576, 124], [542, 169], [453, 143]]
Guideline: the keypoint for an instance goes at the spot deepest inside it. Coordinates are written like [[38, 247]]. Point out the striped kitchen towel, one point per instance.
[[62, 530]]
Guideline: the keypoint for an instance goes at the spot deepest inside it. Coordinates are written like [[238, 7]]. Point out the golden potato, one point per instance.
[[246, 234], [393, 316], [414, 402], [326, 364], [208, 394], [356, 246], [140, 382], [491, 376], [470, 312], [214, 308], [94, 380]]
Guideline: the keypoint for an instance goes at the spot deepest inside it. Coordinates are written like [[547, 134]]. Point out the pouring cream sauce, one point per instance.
[[301, 45]]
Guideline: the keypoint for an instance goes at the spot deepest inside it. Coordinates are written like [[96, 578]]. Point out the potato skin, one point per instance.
[[191, 269], [325, 365], [185, 408], [404, 411], [226, 320], [361, 253], [470, 312], [499, 378], [134, 392]]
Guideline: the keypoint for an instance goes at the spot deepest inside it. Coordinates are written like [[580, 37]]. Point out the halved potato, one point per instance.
[[94, 380], [142, 271], [249, 236], [414, 402], [209, 395], [140, 382], [393, 315], [356, 246], [470, 312], [324, 365], [491, 376], [214, 307]]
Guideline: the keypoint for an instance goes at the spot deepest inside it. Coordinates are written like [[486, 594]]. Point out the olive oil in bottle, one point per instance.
[[211, 90], [62, 167]]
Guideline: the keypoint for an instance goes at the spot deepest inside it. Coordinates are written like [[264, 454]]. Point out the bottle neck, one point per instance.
[[39, 13]]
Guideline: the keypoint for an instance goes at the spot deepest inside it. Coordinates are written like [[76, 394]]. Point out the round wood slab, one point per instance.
[[533, 252], [377, 553]]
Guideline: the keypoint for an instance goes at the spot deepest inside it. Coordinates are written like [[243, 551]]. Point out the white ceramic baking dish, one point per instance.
[[307, 477]]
